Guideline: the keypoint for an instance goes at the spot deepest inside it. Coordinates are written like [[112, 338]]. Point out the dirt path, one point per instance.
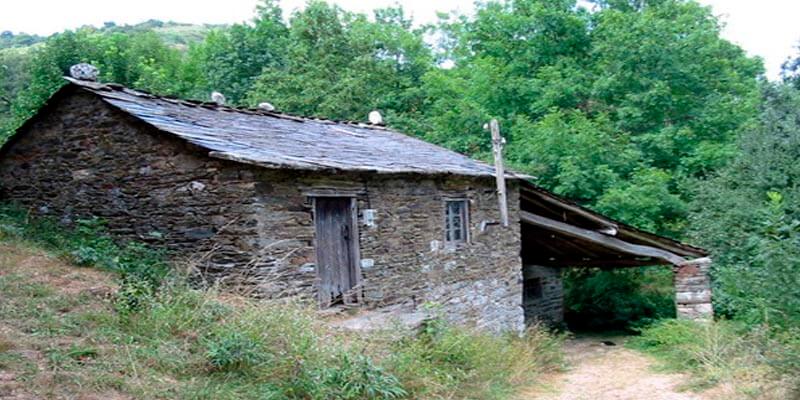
[[600, 372]]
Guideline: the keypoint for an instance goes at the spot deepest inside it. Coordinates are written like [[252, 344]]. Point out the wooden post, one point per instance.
[[497, 149]]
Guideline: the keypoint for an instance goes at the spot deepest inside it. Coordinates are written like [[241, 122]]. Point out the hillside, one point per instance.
[[46, 344], [131, 46], [66, 332], [173, 33], [69, 331]]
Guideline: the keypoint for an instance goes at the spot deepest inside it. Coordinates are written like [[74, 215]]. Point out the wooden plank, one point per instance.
[[610, 263], [527, 200], [664, 243], [332, 192], [528, 192], [336, 239], [499, 169], [601, 239], [570, 207], [354, 296]]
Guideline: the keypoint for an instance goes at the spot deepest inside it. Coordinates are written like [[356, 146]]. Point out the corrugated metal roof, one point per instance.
[[277, 140]]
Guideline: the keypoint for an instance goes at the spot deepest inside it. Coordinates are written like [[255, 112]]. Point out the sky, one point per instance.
[[765, 28]]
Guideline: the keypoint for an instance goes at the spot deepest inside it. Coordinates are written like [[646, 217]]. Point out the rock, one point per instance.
[[218, 98], [84, 72], [103, 292], [195, 186], [381, 320], [375, 118]]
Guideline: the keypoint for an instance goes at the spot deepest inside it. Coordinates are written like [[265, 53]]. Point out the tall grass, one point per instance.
[[752, 362], [160, 337]]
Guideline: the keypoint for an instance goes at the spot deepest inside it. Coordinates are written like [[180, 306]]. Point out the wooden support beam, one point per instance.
[[662, 243], [539, 204], [499, 169], [601, 239], [572, 208], [610, 263], [539, 197]]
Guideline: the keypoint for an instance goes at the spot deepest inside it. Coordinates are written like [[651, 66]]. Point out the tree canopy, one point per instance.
[[749, 215]]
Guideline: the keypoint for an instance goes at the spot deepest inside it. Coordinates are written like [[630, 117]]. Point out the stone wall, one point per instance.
[[693, 289], [251, 228], [543, 298]]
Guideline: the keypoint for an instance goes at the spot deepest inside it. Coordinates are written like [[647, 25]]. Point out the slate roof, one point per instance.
[[276, 140]]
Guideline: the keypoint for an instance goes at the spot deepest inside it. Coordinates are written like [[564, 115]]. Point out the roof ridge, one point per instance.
[[111, 86]]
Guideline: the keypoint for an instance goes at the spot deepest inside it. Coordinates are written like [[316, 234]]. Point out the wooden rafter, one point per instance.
[[600, 239], [572, 208]]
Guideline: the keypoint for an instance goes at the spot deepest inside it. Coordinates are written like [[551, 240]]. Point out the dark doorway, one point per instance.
[[337, 250]]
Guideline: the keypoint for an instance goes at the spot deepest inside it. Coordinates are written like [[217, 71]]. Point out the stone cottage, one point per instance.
[[343, 213]]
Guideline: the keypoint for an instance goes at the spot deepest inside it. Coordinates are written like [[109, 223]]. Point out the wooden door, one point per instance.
[[337, 250]]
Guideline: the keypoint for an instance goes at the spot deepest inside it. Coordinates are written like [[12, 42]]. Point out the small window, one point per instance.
[[456, 221], [532, 289]]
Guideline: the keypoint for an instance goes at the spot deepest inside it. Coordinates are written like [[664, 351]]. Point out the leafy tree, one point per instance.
[[9, 40], [666, 77], [230, 59], [749, 216], [597, 103], [341, 65], [790, 71], [139, 60], [617, 108]]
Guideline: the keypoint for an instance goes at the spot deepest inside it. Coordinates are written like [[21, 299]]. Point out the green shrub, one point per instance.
[[752, 359], [233, 351], [354, 377], [707, 347], [617, 299], [448, 361], [87, 244], [132, 295], [757, 265], [784, 356], [194, 344]]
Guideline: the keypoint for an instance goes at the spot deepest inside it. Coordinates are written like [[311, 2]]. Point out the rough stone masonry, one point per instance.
[[543, 299], [251, 228], [693, 289]]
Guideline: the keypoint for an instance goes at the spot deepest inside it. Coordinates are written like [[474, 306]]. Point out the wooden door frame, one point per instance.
[[355, 246]]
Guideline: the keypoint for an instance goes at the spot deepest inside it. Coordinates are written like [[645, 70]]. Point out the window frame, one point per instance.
[[465, 222]]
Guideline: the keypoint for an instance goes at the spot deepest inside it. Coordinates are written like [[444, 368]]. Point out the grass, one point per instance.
[[727, 357], [62, 335]]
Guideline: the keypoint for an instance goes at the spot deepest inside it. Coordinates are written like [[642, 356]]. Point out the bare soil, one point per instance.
[[597, 371], [48, 270]]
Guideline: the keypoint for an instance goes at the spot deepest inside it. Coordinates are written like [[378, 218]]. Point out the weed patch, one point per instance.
[[156, 336], [5, 344], [86, 244], [754, 362]]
